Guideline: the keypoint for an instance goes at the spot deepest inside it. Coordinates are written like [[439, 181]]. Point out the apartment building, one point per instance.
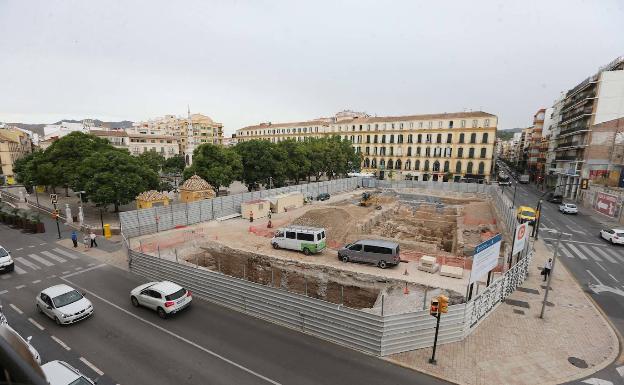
[[536, 160], [14, 144], [439, 147], [597, 99], [136, 144], [204, 130]]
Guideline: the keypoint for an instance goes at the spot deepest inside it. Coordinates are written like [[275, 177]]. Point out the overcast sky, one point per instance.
[[244, 62]]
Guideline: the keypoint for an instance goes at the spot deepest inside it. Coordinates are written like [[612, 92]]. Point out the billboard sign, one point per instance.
[[606, 204], [485, 257], [522, 233]]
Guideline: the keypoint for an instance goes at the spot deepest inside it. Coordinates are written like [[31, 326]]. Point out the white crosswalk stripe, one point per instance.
[[26, 262], [19, 270], [604, 254], [53, 256], [573, 251], [564, 251], [587, 251], [65, 253], [42, 261]]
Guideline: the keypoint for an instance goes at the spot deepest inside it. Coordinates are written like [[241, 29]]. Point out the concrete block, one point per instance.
[[428, 264], [452, 271]]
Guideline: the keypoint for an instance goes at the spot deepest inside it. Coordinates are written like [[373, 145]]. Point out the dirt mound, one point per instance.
[[338, 222]]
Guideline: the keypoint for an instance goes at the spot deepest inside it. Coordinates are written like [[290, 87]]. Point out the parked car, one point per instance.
[[25, 342], [524, 178], [526, 214], [302, 238], [568, 208], [323, 197], [64, 304], [6, 262], [554, 198], [378, 252], [165, 297], [615, 236], [61, 373]]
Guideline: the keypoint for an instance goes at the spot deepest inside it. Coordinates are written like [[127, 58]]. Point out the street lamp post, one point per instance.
[[552, 269]]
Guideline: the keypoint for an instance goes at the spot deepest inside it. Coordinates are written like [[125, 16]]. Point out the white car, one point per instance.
[[64, 304], [568, 208], [613, 235], [61, 373], [6, 262], [165, 297], [25, 342]]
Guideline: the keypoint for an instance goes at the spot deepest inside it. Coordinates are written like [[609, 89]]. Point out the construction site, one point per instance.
[[437, 233]]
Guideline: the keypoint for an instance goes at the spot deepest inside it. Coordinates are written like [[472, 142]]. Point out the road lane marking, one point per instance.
[[19, 270], [20, 287], [93, 367], [593, 276], [58, 341], [6, 276], [32, 321], [194, 344], [31, 246], [597, 263], [66, 272], [575, 251], [78, 268], [65, 253], [36, 281], [37, 258], [27, 263], [81, 271], [53, 256], [21, 248], [41, 244], [570, 241], [620, 370], [17, 309], [52, 276], [604, 254], [3, 292], [615, 279]]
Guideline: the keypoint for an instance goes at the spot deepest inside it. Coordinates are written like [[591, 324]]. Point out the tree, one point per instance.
[[174, 165], [218, 165], [153, 160], [113, 177], [262, 161], [35, 169], [298, 163]]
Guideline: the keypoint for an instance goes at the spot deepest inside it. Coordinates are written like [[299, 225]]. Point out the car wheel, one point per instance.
[[344, 259], [58, 321], [135, 302], [161, 313], [306, 251], [382, 264], [275, 246]]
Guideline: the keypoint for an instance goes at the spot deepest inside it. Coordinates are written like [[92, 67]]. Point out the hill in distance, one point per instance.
[[507, 134]]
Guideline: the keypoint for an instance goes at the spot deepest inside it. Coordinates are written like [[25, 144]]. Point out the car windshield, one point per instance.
[[3, 252], [66, 299], [528, 213], [571, 206], [81, 381], [178, 294]]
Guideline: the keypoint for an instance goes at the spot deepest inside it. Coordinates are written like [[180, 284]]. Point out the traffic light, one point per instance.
[[434, 309], [443, 303], [584, 184]]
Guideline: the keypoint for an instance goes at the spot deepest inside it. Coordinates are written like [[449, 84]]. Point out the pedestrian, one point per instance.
[[92, 236], [547, 269], [74, 238], [85, 241]]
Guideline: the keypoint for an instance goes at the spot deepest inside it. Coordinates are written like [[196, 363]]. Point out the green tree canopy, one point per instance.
[[298, 163], [114, 178], [218, 165], [262, 162], [153, 160], [174, 165]]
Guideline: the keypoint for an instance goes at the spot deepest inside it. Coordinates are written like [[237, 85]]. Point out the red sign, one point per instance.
[[521, 232], [606, 204]]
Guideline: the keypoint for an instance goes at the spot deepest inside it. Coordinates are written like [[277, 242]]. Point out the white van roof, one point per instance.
[[304, 229]]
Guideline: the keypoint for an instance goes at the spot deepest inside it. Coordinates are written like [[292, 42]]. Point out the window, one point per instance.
[[391, 138], [450, 124], [426, 168], [449, 138], [383, 139], [419, 138], [436, 166], [291, 235], [440, 124], [353, 128], [427, 151], [471, 152], [400, 138], [410, 138], [368, 127], [390, 164], [392, 126], [448, 152], [485, 138], [430, 124], [475, 123], [473, 138], [377, 249], [391, 150], [305, 237], [460, 152], [382, 151], [458, 167], [360, 127], [367, 138], [461, 138], [428, 138], [357, 247], [420, 124], [366, 163], [367, 150], [397, 164], [469, 168], [375, 139], [439, 138], [401, 126], [417, 151], [487, 123], [417, 165], [446, 166], [483, 150], [409, 151], [374, 163], [481, 168]]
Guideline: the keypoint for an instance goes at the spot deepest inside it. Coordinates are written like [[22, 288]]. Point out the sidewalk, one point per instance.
[[513, 346], [603, 220], [117, 258]]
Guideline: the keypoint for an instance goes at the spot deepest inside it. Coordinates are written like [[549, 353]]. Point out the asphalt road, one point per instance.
[[206, 344], [592, 260]]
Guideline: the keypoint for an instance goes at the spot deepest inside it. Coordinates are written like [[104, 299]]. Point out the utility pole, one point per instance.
[[54, 199], [537, 219], [559, 234]]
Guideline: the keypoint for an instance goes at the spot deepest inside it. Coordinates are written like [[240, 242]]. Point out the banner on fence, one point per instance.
[[485, 257], [521, 236]]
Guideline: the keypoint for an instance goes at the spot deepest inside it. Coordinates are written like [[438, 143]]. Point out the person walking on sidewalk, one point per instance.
[[547, 268], [74, 238], [92, 236]]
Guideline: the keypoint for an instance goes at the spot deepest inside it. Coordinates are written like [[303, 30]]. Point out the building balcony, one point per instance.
[[576, 114], [579, 100], [574, 129], [566, 158], [570, 145]]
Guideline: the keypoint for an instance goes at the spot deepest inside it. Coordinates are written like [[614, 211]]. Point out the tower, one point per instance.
[[190, 140]]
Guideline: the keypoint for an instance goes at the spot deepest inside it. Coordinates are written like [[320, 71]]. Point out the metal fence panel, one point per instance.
[[179, 214]]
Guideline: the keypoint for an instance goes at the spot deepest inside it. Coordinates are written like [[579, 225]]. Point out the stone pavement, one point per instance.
[[513, 346], [117, 258]]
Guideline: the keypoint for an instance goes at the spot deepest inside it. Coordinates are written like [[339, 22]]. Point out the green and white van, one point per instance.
[[307, 239]]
